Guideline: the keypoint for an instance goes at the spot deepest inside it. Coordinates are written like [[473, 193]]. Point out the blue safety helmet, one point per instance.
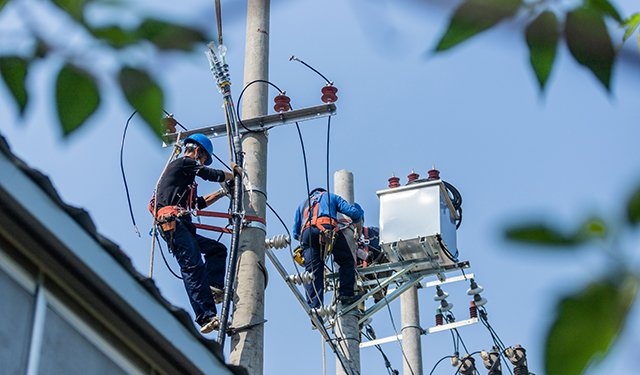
[[202, 141], [317, 189]]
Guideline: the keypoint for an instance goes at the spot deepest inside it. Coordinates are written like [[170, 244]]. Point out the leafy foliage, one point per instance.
[[73, 7], [168, 36], [475, 16], [633, 208], [144, 95], [588, 322], [77, 97], [587, 325], [542, 234], [584, 30], [14, 73], [78, 90], [542, 38], [589, 42]]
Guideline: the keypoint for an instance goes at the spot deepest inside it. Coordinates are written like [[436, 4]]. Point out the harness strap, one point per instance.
[[316, 221]]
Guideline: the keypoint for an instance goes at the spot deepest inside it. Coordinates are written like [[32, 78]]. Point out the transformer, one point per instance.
[[418, 223]]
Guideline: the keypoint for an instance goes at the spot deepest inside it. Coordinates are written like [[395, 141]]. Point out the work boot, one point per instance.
[[348, 300], [218, 294], [211, 325]]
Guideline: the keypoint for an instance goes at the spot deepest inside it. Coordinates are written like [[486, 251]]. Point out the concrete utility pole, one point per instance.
[[411, 332], [347, 329], [247, 345]]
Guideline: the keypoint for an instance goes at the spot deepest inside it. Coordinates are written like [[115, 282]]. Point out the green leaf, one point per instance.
[[144, 95], [542, 38], [73, 7], [14, 73], [475, 16], [116, 36], [632, 24], [169, 36], [633, 208], [77, 97], [542, 234], [587, 325], [2, 3], [605, 8], [589, 42]]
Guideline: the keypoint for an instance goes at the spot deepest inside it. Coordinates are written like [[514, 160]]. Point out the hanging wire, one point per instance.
[[393, 324], [310, 67], [437, 363], [240, 100], [124, 177], [165, 259]]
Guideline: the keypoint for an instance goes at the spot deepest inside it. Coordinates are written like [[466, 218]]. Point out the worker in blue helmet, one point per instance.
[[316, 227], [176, 197]]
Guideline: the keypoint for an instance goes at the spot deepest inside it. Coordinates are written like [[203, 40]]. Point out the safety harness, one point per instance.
[[315, 220]]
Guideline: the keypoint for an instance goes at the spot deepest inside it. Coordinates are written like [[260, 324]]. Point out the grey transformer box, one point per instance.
[[418, 223]]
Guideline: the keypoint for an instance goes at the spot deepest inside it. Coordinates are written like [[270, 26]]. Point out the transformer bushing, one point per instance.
[[467, 365], [491, 361], [518, 357]]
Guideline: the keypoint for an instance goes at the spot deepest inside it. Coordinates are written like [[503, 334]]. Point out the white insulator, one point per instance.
[[440, 298], [324, 311], [279, 242], [474, 291], [445, 306], [367, 322], [303, 278], [481, 302]]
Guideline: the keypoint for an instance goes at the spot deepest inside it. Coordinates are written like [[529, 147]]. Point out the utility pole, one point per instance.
[[347, 327], [411, 332], [247, 345]]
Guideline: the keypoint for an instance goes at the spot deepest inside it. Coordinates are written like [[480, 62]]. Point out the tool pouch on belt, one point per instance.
[[326, 237]]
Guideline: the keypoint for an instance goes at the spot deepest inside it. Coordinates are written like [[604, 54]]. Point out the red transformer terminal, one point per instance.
[[169, 124], [329, 94], [282, 103], [413, 176], [394, 182], [434, 174], [473, 310]]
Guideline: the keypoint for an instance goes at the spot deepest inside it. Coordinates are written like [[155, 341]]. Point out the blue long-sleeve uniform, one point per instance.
[[312, 250], [337, 205]]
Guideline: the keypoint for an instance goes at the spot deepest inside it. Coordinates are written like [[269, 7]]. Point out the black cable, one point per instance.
[[177, 122], [393, 324], [165, 259], [437, 363], [240, 99], [310, 67], [387, 363], [124, 177]]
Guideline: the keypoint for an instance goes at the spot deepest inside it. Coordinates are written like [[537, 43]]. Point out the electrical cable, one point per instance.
[[393, 324], [387, 363], [165, 259], [437, 363], [124, 177], [177, 122], [240, 100], [310, 67]]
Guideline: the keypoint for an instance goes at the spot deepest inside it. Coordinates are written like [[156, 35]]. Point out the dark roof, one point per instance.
[[83, 219]]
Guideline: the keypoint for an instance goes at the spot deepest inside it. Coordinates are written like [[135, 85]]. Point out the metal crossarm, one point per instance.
[[259, 123], [390, 297]]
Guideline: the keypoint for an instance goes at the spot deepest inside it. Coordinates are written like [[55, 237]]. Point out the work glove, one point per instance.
[[227, 188], [357, 233], [236, 168]]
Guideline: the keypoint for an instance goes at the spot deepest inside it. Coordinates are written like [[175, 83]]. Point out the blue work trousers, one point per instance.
[[188, 248], [314, 263]]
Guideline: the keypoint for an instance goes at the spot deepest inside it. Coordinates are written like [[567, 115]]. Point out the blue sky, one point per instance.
[[475, 113]]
